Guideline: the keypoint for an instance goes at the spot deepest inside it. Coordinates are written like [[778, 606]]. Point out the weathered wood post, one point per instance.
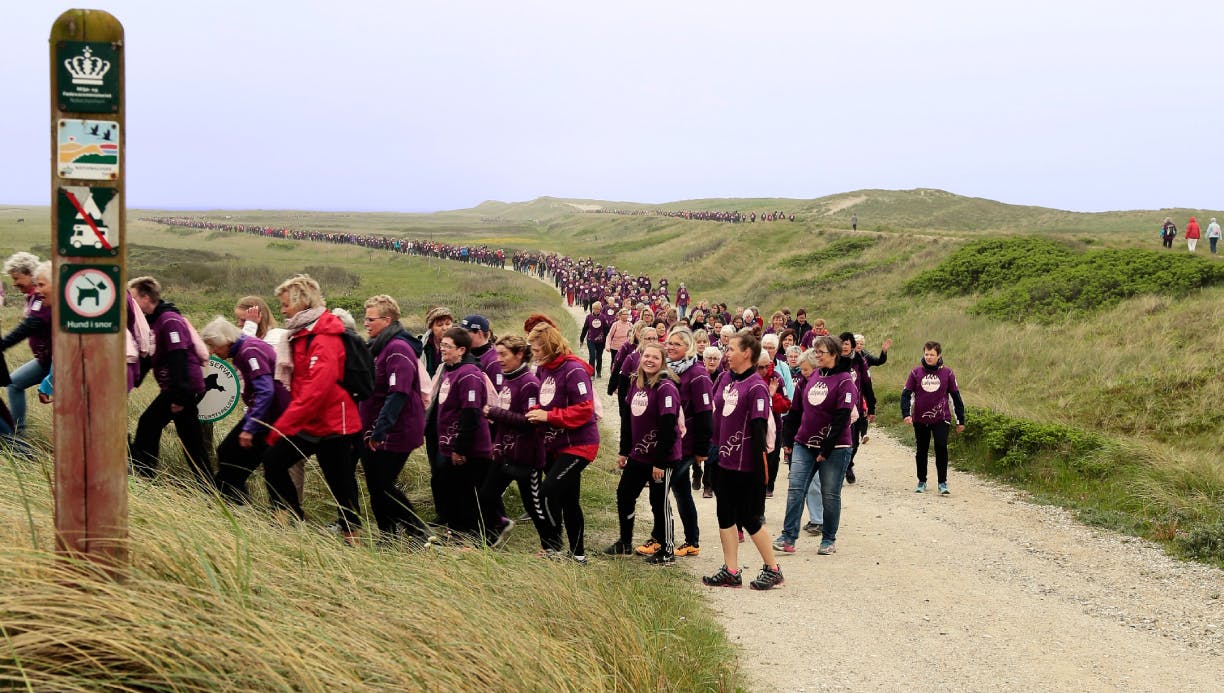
[[88, 216]]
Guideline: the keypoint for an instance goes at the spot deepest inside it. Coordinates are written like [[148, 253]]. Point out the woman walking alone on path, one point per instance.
[[741, 415], [649, 453], [818, 432], [518, 451], [571, 434], [930, 385]]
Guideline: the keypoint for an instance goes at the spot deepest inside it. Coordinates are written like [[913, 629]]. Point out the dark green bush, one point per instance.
[[1010, 443], [840, 249], [1205, 542], [986, 265]]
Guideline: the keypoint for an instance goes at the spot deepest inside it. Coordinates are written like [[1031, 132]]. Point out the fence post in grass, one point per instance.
[[89, 303]]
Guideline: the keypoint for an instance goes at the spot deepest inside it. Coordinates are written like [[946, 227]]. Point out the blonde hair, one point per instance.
[[146, 286], [302, 291], [387, 307], [644, 380], [266, 321], [686, 336], [550, 340]]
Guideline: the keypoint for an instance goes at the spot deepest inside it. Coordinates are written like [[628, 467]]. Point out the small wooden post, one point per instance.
[[88, 215]]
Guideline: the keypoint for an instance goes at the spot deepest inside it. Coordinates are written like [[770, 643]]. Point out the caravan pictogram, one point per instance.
[[87, 221]]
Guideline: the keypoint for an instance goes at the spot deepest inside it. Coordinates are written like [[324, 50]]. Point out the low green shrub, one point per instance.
[[991, 264], [1204, 543], [839, 249]]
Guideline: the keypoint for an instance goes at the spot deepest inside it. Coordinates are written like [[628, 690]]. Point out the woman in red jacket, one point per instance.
[[1192, 234], [322, 418]]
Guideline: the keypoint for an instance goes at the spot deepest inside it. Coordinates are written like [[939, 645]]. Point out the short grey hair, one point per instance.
[[220, 332], [21, 263], [769, 340], [43, 270], [712, 351]]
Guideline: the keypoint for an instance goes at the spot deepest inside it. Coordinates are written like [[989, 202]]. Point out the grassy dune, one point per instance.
[[222, 598]]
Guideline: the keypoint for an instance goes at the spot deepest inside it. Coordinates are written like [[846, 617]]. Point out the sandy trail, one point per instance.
[[974, 591]]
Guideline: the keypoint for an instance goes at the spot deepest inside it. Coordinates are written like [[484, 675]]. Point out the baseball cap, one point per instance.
[[475, 323]]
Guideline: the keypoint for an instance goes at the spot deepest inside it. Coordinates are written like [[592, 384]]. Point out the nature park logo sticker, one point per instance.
[[88, 149]]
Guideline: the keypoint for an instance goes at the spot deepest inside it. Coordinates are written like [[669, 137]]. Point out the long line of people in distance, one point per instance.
[[708, 400]]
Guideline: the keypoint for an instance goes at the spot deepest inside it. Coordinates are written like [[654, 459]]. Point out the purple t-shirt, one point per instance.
[[736, 404], [264, 396], [171, 332], [596, 328], [489, 363], [518, 444], [396, 369], [40, 341], [462, 388], [629, 365], [696, 396], [817, 401], [646, 406], [931, 390], [858, 375], [567, 385]]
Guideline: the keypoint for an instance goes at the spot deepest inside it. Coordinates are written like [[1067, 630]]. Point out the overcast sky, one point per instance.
[[419, 106]]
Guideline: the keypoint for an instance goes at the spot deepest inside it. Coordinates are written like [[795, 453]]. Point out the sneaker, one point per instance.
[[723, 578], [943, 489], [814, 528], [620, 548], [769, 494], [826, 548], [579, 558], [649, 548], [503, 535], [866, 439], [707, 493], [921, 488], [741, 536], [549, 554], [767, 579], [661, 557], [696, 478], [850, 479], [687, 549], [783, 546]]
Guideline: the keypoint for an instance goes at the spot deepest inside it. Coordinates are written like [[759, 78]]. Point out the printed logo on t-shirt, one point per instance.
[[531, 402], [443, 391], [548, 390], [639, 403], [930, 382], [730, 400], [849, 398], [581, 388], [705, 398], [174, 338], [391, 380], [596, 324], [471, 395], [254, 364], [760, 405], [37, 305], [817, 393], [667, 402], [853, 376]]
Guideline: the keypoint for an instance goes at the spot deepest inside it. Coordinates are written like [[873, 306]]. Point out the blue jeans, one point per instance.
[[815, 503], [830, 473], [28, 375]]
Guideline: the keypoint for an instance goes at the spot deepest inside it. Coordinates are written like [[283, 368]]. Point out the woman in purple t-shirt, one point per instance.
[[464, 447], [649, 451], [741, 412], [930, 385]]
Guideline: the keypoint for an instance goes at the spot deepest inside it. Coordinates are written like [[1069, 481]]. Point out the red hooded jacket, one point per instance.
[[1192, 228], [318, 405]]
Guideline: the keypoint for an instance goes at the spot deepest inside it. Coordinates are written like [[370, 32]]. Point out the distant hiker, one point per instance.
[[741, 415], [243, 448], [1192, 234], [854, 222], [924, 403], [35, 326], [177, 364], [1213, 235], [1168, 232]]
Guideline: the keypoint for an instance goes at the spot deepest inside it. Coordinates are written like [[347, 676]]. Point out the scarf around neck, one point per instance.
[[284, 352]]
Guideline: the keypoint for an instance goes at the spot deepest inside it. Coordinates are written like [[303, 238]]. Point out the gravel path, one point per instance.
[[979, 590]]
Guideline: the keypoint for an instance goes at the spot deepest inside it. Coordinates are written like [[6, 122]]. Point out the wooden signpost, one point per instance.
[[88, 210]]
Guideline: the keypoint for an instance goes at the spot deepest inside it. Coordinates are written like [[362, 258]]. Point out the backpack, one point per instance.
[[358, 378]]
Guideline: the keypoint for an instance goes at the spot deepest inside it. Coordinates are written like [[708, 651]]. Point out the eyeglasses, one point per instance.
[[823, 353], [446, 347]]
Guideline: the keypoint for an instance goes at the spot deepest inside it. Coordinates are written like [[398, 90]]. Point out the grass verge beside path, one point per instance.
[[1129, 486]]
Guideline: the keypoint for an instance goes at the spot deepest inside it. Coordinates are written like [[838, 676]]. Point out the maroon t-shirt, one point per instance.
[[817, 401], [462, 388], [565, 386], [518, 444], [395, 370], [646, 406], [736, 404], [931, 389], [596, 328], [696, 396]]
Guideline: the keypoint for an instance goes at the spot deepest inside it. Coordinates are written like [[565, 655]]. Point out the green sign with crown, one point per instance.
[[88, 76]]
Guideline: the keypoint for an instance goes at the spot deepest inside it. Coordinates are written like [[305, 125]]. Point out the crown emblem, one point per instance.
[[86, 69]]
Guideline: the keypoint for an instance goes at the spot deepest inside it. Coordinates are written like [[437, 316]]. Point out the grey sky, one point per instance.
[[412, 106]]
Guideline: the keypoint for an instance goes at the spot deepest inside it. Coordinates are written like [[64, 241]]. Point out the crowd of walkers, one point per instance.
[[1168, 232], [711, 401], [734, 216]]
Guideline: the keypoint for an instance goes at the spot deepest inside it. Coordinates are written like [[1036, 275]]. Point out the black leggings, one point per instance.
[[531, 489], [392, 509], [146, 446], [235, 464], [335, 460], [461, 487], [634, 477], [740, 500], [922, 436], [595, 351], [562, 491]]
